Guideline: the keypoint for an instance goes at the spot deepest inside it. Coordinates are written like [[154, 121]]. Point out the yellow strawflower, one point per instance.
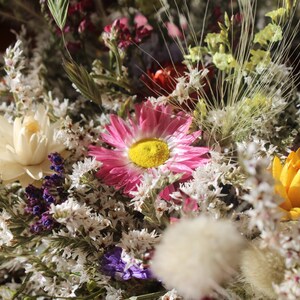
[[287, 179]]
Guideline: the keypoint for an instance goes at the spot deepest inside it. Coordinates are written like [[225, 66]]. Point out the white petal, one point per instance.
[[34, 172], [42, 118], [56, 148], [11, 171], [16, 130], [34, 140], [40, 153], [8, 154], [23, 151], [6, 131], [25, 180]]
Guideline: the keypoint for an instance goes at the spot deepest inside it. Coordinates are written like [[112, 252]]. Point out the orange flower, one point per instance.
[[287, 179]]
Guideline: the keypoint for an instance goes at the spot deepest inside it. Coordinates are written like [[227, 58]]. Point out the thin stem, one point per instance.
[[23, 286], [65, 45], [29, 10], [89, 297], [101, 10], [6, 15], [114, 81], [152, 296]]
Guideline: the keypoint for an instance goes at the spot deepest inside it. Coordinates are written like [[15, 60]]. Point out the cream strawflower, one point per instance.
[[25, 145]]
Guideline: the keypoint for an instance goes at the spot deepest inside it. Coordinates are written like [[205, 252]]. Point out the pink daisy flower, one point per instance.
[[154, 138]]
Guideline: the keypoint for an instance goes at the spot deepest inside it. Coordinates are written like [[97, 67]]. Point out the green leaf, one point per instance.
[[59, 11], [83, 81]]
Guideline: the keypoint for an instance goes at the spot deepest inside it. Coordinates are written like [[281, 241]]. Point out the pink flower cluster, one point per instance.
[[127, 36]]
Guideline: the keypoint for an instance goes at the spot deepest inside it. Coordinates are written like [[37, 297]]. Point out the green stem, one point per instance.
[[23, 286], [6, 15], [29, 10], [122, 84], [152, 296], [89, 297], [65, 45], [101, 10], [115, 51]]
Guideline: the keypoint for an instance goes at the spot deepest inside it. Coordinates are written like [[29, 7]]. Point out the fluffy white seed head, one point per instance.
[[262, 268], [195, 256]]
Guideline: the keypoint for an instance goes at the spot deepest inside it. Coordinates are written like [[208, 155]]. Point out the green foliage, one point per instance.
[[271, 33], [59, 11], [148, 206], [83, 81], [61, 242]]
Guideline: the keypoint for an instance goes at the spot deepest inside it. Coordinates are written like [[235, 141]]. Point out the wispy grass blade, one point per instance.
[[59, 11], [83, 81]]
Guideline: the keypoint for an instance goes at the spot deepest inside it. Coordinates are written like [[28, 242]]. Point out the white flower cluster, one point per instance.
[[290, 249], [138, 242], [78, 217], [149, 187], [29, 85], [52, 285], [14, 64], [171, 295], [205, 187], [265, 214], [113, 294], [80, 169], [290, 287], [192, 81], [77, 137], [6, 235]]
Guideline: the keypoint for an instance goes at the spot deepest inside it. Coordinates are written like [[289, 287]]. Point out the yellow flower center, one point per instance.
[[294, 213], [31, 125], [149, 153]]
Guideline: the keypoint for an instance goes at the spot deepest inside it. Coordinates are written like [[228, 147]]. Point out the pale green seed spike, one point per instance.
[[227, 20]]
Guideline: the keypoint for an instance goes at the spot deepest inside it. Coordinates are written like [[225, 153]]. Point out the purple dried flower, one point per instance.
[[56, 162], [113, 265], [46, 222], [39, 200]]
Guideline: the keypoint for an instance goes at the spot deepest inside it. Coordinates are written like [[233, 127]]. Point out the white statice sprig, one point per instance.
[[25, 77], [52, 285], [77, 217], [206, 184], [192, 81], [171, 295], [147, 199], [138, 242], [113, 294], [289, 248], [80, 169], [265, 214], [14, 65], [6, 236], [79, 136], [150, 186], [289, 289]]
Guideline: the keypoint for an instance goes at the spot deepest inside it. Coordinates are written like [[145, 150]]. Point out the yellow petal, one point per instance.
[[287, 174], [276, 168], [294, 191], [280, 190]]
